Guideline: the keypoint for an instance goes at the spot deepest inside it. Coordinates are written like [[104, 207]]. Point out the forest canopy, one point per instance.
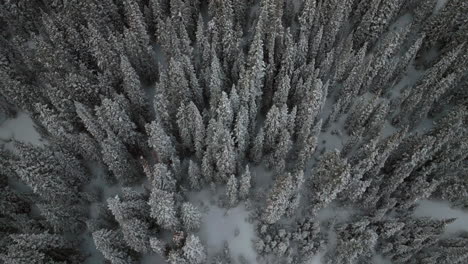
[[233, 131]]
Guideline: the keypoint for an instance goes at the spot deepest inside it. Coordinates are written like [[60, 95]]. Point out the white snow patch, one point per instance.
[[440, 4], [152, 259], [20, 128], [410, 77], [98, 181], [328, 142], [388, 129], [261, 176], [87, 245], [317, 259], [442, 210], [401, 23], [340, 214], [220, 224]]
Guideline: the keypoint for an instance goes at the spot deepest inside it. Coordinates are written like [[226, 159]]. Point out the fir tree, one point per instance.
[[160, 142], [331, 176], [110, 243], [256, 152], [194, 175], [278, 199], [193, 250], [232, 192], [245, 184], [132, 85], [191, 217], [114, 117], [116, 156], [162, 204]]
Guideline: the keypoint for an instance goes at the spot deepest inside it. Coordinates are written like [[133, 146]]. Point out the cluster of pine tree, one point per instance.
[[170, 97]]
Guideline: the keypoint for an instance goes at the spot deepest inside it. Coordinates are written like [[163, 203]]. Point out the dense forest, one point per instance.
[[160, 118]]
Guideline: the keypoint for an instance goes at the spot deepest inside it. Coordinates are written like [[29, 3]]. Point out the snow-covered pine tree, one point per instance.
[[245, 184], [190, 216], [132, 85], [110, 243], [193, 250], [163, 208], [278, 199], [232, 193], [161, 143], [330, 177]]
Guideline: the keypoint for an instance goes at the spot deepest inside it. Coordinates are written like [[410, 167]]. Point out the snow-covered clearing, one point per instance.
[[378, 259], [261, 176], [440, 4], [20, 128], [152, 259], [220, 225], [87, 245]]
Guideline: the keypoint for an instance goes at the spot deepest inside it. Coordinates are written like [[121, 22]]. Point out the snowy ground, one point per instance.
[[20, 128], [220, 225], [440, 4]]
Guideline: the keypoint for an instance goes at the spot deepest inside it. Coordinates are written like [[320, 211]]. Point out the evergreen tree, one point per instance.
[[136, 235], [281, 95], [161, 143], [163, 210], [315, 44], [47, 173], [307, 149], [241, 135], [224, 112], [116, 156], [90, 121], [101, 49], [277, 159], [334, 24], [114, 117], [355, 243], [110, 244], [191, 217], [256, 153], [216, 82], [163, 178], [245, 184], [194, 175], [193, 250], [416, 235], [175, 257], [232, 191], [207, 167], [223, 150], [132, 85], [161, 105], [273, 126], [365, 30], [184, 122], [296, 196], [40, 248], [64, 217], [157, 245], [177, 86], [278, 199], [330, 177]]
